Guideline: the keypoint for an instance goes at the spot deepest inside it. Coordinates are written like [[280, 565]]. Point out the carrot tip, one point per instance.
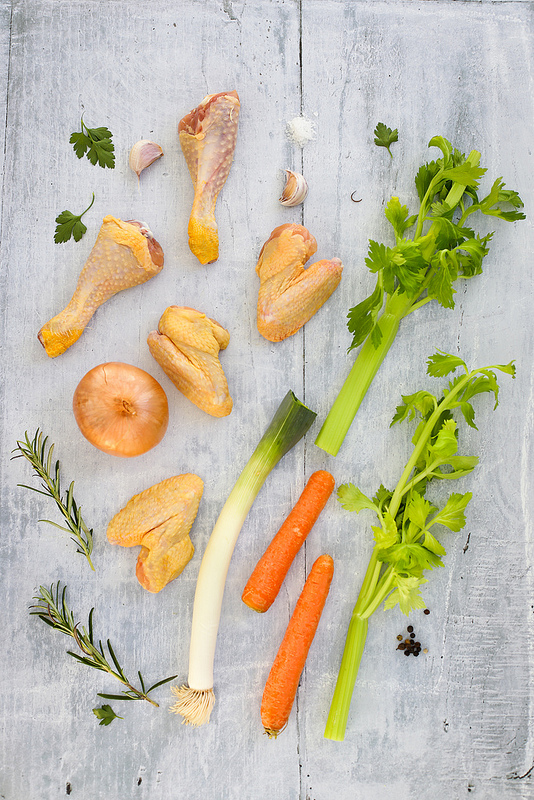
[[271, 733]]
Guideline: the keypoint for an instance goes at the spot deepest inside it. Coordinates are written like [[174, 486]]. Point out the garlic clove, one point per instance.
[[295, 190], [142, 154]]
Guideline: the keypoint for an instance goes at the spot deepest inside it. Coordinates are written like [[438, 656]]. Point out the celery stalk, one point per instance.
[[417, 270], [404, 546], [337, 423]]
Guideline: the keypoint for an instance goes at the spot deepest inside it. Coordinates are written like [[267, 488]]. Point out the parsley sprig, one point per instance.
[[105, 714], [69, 224], [406, 543], [95, 143], [385, 137], [51, 607], [413, 270]]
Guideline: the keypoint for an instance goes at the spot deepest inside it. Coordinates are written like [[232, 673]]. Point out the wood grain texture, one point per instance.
[[456, 723]]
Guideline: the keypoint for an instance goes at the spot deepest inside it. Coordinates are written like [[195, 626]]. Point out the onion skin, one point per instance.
[[121, 409]]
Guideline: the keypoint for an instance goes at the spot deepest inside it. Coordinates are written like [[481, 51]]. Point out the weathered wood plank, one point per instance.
[[439, 724]]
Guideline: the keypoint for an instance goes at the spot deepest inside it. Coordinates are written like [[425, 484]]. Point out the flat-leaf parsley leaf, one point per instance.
[[105, 714], [69, 224], [96, 144], [384, 137]]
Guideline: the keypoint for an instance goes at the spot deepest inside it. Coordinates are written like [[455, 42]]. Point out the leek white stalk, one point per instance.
[[289, 424]]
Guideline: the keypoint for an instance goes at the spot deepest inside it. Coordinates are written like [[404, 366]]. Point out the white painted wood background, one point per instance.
[[452, 724]]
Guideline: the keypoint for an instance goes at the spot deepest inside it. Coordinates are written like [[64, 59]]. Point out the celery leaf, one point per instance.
[[386, 535], [397, 215], [362, 318], [452, 515], [352, 499], [418, 509], [441, 364], [407, 594]]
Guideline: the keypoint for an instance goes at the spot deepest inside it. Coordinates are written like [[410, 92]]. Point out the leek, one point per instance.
[[404, 545], [417, 270], [289, 424]]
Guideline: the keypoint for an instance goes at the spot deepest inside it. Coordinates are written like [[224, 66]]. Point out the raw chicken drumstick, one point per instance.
[[207, 137], [125, 254], [186, 346], [289, 295], [159, 519]]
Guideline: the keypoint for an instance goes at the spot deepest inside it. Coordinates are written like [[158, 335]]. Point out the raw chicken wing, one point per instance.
[[289, 295], [159, 519], [186, 346]]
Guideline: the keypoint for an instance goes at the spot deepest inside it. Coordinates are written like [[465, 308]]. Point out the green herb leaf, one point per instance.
[[397, 215], [352, 499], [69, 224], [418, 509], [362, 318], [492, 204], [407, 594], [422, 402], [425, 175], [441, 364], [96, 144], [432, 544], [452, 514], [386, 535], [105, 714], [385, 137]]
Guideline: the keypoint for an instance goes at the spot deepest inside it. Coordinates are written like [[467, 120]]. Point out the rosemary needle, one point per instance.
[[52, 608], [36, 452]]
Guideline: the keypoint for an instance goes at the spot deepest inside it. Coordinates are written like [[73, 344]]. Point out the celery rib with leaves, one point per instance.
[[405, 539], [416, 270]]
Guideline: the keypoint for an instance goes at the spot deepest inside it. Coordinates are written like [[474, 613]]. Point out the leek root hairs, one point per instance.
[[194, 705]]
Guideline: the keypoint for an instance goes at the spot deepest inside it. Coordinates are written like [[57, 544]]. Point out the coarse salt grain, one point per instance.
[[300, 130]]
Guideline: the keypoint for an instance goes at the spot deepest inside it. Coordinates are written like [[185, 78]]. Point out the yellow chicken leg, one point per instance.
[[125, 254], [159, 519], [290, 295], [186, 346], [207, 137]]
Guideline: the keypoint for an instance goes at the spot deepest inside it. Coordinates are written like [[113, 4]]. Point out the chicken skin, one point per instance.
[[290, 295], [207, 138], [159, 519], [186, 346], [125, 254]]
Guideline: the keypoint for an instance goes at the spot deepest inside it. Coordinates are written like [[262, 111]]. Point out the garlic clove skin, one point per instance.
[[142, 154], [295, 190]]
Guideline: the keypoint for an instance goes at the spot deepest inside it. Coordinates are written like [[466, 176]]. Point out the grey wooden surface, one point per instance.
[[454, 723]]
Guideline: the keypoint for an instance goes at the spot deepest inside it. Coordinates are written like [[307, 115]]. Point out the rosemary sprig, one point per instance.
[[36, 452], [52, 608]]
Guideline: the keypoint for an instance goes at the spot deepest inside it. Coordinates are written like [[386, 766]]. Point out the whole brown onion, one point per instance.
[[121, 409]]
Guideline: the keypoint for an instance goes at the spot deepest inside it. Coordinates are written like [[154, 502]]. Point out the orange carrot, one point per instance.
[[268, 575], [283, 680]]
